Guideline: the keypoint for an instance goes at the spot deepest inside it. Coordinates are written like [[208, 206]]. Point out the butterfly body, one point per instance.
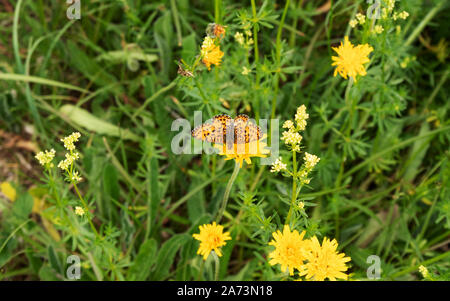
[[225, 130]]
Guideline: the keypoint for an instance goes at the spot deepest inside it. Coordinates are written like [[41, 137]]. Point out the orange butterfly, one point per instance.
[[239, 130]]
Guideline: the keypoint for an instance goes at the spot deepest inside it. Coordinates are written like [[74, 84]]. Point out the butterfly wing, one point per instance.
[[204, 132], [222, 124], [214, 132], [245, 131]]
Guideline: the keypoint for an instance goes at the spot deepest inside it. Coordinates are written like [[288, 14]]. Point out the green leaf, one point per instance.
[[23, 206], [143, 262], [54, 259], [92, 123], [46, 273], [166, 256], [111, 182]]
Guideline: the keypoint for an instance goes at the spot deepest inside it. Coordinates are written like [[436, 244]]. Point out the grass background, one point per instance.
[[382, 185]]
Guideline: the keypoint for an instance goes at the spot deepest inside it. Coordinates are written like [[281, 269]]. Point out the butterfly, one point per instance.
[[238, 130]]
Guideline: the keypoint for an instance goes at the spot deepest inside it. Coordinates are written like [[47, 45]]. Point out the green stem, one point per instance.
[[217, 5], [256, 61], [423, 23], [87, 210], [294, 26], [424, 263], [217, 266], [200, 273], [294, 187], [227, 191], [278, 59]]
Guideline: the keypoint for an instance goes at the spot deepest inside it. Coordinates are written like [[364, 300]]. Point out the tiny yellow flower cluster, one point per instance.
[[307, 256], [424, 271], [310, 161], [79, 211], [239, 37], [292, 137], [45, 158], [402, 15], [245, 71], [407, 61], [244, 41], [70, 159], [70, 140], [67, 164], [278, 165], [378, 29]]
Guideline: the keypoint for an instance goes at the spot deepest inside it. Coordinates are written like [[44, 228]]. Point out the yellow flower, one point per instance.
[[310, 160], [424, 271], [244, 151], [210, 53], [353, 23], [239, 37], [378, 29], [70, 140], [300, 117], [9, 191], [351, 60], [79, 211], [45, 158], [70, 158], [290, 250], [211, 238], [278, 165], [324, 261], [403, 15], [291, 138], [361, 18], [76, 177], [245, 71]]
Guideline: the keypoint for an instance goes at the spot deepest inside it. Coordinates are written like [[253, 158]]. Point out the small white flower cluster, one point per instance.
[[402, 15], [300, 117], [244, 41], [79, 211], [70, 140], [45, 158], [310, 161], [278, 165], [70, 158], [239, 37], [292, 136]]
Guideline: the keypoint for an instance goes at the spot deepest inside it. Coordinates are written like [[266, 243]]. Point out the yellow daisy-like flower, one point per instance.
[[351, 59], [324, 261], [290, 250], [244, 151], [210, 53], [211, 238]]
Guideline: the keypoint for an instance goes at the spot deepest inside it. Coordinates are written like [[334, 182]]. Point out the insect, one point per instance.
[[184, 72], [225, 130]]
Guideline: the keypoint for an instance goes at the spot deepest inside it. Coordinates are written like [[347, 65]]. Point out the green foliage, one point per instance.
[[382, 186]]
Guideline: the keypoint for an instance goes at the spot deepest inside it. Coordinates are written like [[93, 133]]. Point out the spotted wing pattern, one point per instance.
[[216, 132]]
